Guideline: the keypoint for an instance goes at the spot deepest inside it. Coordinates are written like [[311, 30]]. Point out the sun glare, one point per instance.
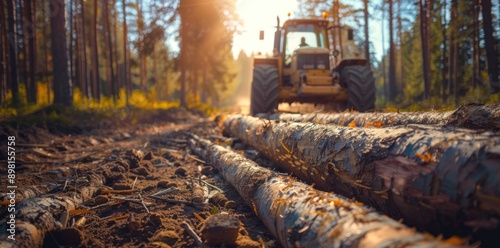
[[260, 15]]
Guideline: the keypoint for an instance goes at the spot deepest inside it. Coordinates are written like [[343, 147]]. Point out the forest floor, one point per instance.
[[128, 177], [50, 158]]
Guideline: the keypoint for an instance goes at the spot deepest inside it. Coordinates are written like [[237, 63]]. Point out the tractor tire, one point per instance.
[[265, 88], [360, 84]]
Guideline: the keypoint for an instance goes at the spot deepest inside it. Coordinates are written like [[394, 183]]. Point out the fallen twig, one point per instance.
[[212, 186], [196, 159], [143, 204], [190, 231], [166, 191], [138, 201], [177, 201], [115, 217]]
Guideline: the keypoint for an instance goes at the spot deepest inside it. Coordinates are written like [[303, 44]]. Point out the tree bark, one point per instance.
[[61, 83], [489, 45], [300, 216], [474, 116], [433, 177]]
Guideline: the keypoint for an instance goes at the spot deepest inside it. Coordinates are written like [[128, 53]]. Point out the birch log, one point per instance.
[[300, 216], [434, 178], [36, 216], [476, 116]]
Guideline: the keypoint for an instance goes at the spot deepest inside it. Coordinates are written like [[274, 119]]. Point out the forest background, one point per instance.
[[112, 54]]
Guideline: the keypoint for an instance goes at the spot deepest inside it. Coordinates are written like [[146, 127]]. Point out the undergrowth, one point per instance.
[[87, 111]]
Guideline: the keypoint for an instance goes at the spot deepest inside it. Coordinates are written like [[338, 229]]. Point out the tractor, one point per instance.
[[303, 69]]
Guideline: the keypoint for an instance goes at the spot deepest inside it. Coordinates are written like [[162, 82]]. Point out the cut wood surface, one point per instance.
[[36, 216], [476, 116], [436, 178], [300, 216]]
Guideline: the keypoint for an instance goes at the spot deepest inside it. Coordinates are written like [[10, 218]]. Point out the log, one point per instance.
[[299, 215], [36, 216], [475, 116], [435, 178]]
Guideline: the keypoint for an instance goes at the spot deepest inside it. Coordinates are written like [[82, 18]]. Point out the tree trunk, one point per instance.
[[474, 116], [400, 76], [300, 216], [3, 54], [383, 60], [182, 91], [82, 58], [117, 79], [392, 54], [22, 48], [155, 73], [475, 43], [489, 45], [417, 173], [12, 37], [195, 83], [142, 57], [88, 83], [107, 31], [96, 92], [425, 8], [128, 87], [453, 64], [46, 50], [183, 53], [31, 13], [71, 17], [444, 58], [204, 88], [367, 34], [61, 83]]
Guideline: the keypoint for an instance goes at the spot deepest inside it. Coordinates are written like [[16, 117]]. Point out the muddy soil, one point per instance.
[[156, 187]]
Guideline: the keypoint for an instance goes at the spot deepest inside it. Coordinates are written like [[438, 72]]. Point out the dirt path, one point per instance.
[[124, 213]]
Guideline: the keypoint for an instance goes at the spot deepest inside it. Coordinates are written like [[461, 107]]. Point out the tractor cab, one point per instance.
[[301, 37]]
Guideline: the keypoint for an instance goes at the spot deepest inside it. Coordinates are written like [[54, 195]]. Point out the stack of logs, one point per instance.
[[442, 177]]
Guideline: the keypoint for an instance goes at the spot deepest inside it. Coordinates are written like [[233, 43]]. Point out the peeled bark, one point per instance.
[[432, 177], [300, 216], [475, 116]]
